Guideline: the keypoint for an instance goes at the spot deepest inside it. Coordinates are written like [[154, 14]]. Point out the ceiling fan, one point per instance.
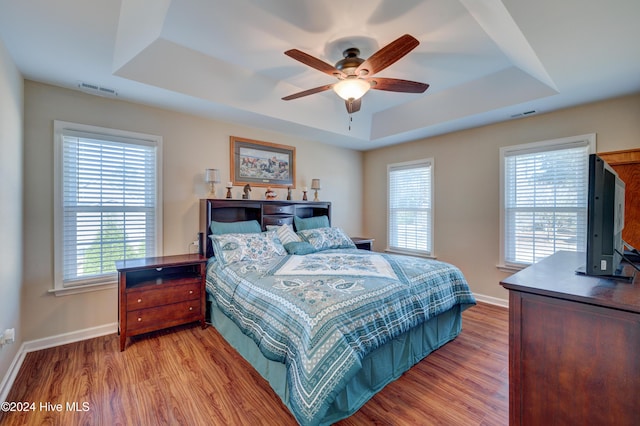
[[355, 74]]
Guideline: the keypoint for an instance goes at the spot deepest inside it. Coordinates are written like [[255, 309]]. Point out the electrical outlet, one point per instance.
[[196, 243], [8, 336]]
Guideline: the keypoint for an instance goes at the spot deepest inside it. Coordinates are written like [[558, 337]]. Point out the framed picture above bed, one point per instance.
[[262, 163]]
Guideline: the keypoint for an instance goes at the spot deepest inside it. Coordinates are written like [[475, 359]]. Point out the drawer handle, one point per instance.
[[191, 308], [139, 300], [139, 319], [190, 291]]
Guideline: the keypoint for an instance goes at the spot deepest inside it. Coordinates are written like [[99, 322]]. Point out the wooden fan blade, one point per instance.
[[308, 92], [397, 85], [316, 63], [389, 54], [353, 105]]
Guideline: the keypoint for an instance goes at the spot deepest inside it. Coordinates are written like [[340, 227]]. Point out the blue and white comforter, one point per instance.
[[321, 313]]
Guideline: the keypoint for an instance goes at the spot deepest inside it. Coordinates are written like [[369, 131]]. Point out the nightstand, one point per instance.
[[363, 243], [160, 292]]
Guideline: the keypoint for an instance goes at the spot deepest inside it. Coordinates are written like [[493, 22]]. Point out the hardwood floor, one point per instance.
[[191, 376]]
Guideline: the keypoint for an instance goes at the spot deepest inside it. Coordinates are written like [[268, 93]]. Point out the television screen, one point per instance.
[[605, 219]]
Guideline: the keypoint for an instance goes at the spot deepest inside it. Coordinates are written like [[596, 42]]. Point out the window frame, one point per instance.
[[429, 253], [586, 140], [62, 128]]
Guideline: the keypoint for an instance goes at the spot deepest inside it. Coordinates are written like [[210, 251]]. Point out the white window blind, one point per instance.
[[410, 207], [545, 199], [109, 207]]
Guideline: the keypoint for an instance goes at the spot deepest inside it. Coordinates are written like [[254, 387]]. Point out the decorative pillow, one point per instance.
[[299, 247], [241, 227], [310, 222], [327, 238], [285, 233], [229, 248]]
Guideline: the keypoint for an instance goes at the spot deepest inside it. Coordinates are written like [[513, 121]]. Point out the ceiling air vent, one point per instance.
[[524, 114], [95, 89]]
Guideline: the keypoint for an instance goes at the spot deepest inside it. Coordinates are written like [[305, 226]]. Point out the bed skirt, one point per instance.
[[379, 368]]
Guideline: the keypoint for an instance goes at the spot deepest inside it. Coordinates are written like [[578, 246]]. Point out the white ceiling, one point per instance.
[[485, 60]]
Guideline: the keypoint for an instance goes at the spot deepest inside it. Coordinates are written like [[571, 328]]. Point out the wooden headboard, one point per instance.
[[265, 212]]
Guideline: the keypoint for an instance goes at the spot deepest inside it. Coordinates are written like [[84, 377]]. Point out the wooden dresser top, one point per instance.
[[555, 276]]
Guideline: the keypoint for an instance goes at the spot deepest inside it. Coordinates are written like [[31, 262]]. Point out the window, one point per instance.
[[410, 207], [544, 198], [107, 202]]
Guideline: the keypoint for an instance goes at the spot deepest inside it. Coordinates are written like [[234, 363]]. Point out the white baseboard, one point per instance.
[[492, 300], [73, 336], [50, 342], [10, 376]]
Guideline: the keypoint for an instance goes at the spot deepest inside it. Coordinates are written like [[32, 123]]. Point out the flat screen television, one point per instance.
[[605, 220]]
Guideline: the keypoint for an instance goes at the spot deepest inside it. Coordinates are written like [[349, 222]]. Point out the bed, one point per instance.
[[326, 324]]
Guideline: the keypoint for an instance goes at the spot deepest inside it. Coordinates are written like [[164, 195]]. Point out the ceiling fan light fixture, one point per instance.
[[355, 74], [351, 88]]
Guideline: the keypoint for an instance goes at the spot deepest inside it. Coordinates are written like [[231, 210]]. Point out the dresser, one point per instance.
[[159, 292], [574, 346]]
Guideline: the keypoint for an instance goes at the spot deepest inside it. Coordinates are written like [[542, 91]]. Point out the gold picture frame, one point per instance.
[[259, 163]]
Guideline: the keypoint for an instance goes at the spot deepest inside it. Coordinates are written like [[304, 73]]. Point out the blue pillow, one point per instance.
[[311, 222], [242, 227], [299, 247]]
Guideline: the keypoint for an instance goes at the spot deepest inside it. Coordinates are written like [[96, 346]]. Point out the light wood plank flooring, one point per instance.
[[191, 376]]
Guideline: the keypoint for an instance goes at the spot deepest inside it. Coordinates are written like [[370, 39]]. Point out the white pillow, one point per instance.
[[285, 233], [229, 248], [326, 238]]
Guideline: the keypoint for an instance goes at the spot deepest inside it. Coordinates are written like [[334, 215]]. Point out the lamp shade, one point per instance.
[[351, 88], [315, 183], [212, 176]]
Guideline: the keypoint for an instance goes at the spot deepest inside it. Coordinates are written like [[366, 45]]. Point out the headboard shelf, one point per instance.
[[266, 212]]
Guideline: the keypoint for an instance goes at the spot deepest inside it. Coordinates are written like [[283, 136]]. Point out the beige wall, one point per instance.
[[467, 180], [466, 185], [190, 144], [11, 116]]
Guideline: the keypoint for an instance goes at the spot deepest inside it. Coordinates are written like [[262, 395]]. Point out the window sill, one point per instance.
[[406, 253], [512, 269], [66, 291]]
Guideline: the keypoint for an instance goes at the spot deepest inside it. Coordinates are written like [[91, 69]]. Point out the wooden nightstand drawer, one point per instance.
[[277, 209], [146, 320], [142, 298], [277, 220]]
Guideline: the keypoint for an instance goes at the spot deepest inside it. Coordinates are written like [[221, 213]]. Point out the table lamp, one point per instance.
[[315, 185], [212, 176]]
